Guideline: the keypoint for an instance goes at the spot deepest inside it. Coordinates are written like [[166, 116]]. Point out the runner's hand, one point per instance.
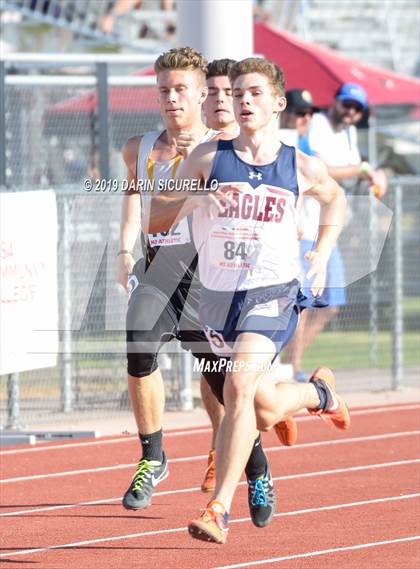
[[186, 141], [317, 271], [224, 197], [125, 264]]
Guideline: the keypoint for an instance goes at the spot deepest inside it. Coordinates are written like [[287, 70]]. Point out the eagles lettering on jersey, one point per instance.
[[253, 206], [253, 242]]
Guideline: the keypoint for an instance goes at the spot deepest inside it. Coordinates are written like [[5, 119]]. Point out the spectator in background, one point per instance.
[[115, 9], [74, 167], [333, 138], [121, 7], [259, 12], [297, 117]]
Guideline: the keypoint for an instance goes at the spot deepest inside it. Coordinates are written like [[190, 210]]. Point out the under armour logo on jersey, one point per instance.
[[255, 175]]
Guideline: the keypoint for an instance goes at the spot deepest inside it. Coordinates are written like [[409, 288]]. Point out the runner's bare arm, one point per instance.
[[314, 181], [130, 214], [198, 165], [169, 207], [166, 209]]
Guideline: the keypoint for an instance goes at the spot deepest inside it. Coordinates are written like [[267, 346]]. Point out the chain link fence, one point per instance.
[[62, 129]]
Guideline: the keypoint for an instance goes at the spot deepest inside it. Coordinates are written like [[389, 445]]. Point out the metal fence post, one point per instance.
[[66, 362], [2, 124], [373, 281], [102, 93], [13, 395], [373, 235], [13, 402], [397, 322], [186, 395]]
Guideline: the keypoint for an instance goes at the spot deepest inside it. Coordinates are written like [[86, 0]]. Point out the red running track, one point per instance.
[[348, 500]]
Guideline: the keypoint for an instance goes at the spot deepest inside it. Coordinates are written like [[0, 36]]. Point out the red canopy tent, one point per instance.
[[306, 65], [121, 99], [322, 70]]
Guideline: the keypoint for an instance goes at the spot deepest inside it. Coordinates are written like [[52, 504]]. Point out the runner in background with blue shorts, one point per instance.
[[297, 119], [332, 137]]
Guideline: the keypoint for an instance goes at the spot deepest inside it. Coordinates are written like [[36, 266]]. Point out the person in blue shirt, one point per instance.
[[297, 118]]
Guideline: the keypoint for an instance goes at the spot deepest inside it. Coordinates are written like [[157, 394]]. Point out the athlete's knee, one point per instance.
[[140, 370], [265, 421], [238, 389], [267, 412], [141, 358]]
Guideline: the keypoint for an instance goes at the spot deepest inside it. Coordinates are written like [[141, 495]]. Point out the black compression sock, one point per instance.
[[257, 462], [152, 445], [322, 394]]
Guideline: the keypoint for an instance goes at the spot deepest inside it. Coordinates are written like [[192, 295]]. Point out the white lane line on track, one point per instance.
[[126, 439], [174, 530], [203, 457], [196, 489], [197, 431], [319, 552]]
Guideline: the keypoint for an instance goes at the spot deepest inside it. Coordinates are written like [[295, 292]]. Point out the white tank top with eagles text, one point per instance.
[[254, 242]]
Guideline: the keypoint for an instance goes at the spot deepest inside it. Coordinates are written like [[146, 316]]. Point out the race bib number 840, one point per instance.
[[234, 249]]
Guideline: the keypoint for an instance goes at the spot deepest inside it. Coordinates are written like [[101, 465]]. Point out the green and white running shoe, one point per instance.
[[147, 476]]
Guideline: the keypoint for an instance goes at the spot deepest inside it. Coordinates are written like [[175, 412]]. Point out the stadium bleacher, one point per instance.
[[380, 32]]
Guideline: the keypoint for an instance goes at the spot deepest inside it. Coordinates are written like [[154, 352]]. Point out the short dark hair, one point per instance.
[[219, 67]]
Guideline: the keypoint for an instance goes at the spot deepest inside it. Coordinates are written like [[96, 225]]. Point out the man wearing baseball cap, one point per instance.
[[298, 115], [354, 93], [333, 137], [300, 102]]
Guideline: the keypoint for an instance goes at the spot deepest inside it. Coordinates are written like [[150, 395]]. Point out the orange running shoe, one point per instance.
[[212, 525], [335, 410], [286, 431], [209, 483]]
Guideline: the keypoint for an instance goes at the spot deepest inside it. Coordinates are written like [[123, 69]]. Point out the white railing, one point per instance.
[[78, 80], [79, 58]]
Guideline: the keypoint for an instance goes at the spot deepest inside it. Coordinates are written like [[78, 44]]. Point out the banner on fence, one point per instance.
[[28, 281]]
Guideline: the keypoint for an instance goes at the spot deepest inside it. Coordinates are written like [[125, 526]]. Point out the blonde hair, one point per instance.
[[182, 58], [263, 66]]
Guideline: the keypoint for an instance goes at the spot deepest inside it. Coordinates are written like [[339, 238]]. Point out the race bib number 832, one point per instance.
[[178, 234]]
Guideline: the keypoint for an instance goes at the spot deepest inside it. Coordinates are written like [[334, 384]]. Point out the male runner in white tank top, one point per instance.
[[162, 287], [153, 157], [219, 115], [248, 265]]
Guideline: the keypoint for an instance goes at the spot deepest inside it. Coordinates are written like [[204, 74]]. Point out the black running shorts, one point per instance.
[[153, 319]]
